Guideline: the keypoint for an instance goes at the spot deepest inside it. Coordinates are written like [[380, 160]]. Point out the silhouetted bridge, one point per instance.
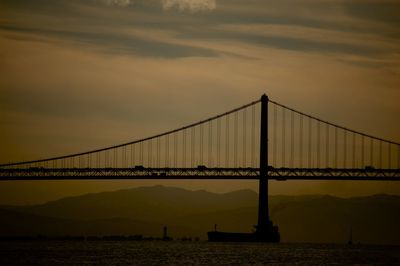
[[262, 138]]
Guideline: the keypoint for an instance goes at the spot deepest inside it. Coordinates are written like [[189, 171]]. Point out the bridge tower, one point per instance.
[[265, 229]]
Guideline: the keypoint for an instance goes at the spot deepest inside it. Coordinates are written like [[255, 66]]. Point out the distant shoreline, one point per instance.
[[93, 238]]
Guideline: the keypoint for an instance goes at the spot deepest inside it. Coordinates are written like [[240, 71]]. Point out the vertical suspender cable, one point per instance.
[[175, 149], [141, 152], [184, 148], [327, 146], [318, 143], [380, 154], [106, 158], [283, 136], [120, 163], [362, 152], [219, 142], [344, 148], [124, 156], [115, 158], [253, 132], [227, 141], [354, 151], [371, 152], [291, 139], [309, 141], [235, 138], [244, 138], [201, 144], [274, 133], [132, 155], [149, 153], [192, 143], [335, 164], [301, 142], [166, 150], [210, 129], [158, 151]]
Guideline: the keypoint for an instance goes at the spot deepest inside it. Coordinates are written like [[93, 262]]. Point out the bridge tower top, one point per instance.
[[264, 98]]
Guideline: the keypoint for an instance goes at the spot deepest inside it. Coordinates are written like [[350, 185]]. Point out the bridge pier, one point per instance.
[[265, 230]]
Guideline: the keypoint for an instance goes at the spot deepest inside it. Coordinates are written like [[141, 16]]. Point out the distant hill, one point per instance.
[[143, 203], [145, 210]]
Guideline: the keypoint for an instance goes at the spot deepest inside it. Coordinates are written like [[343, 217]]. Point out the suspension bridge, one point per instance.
[[261, 139]]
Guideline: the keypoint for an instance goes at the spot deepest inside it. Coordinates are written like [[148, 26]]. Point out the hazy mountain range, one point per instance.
[[145, 210]]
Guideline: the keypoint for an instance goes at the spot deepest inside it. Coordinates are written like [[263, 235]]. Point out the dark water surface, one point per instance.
[[191, 253]]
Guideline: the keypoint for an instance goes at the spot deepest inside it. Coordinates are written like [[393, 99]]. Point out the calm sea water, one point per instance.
[[192, 253]]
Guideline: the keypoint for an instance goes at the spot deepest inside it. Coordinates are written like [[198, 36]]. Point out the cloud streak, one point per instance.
[[121, 3], [190, 5]]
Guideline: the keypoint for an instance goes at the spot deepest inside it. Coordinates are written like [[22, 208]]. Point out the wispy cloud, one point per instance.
[[190, 5], [116, 2]]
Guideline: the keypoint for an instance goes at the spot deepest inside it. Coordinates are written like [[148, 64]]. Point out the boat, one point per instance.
[[272, 236]]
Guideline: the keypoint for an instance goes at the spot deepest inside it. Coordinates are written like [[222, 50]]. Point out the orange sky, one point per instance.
[[78, 75]]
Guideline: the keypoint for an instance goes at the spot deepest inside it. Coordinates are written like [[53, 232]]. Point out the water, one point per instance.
[[191, 253]]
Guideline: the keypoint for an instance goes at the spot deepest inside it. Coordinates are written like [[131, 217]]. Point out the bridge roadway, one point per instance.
[[199, 173]]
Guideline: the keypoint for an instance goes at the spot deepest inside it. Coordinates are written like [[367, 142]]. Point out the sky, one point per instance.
[[83, 74]]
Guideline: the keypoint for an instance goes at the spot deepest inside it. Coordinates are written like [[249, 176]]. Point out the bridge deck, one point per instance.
[[198, 173]]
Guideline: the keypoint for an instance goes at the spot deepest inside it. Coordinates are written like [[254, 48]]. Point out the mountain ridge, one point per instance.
[[145, 210]]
